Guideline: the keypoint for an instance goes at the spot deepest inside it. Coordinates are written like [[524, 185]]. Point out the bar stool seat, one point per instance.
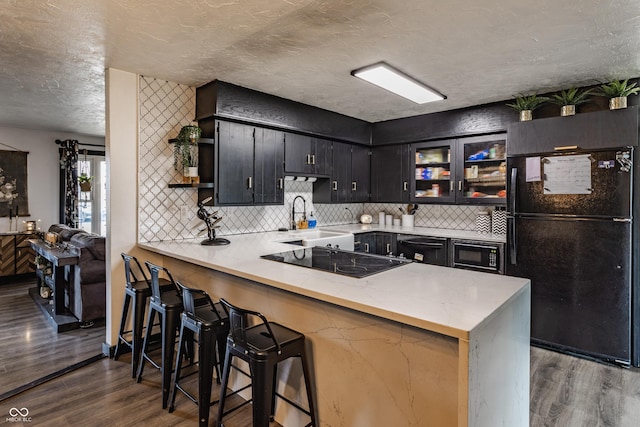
[[263, 346], [209, 325], [137, 292], [168, 306]]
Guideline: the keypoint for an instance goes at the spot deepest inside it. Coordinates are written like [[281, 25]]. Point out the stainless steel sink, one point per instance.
[[344, 240]]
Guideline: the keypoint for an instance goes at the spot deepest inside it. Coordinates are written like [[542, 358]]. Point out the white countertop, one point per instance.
[[441, 299]]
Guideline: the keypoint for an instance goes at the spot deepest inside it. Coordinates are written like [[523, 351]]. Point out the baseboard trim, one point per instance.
[[46, 378]]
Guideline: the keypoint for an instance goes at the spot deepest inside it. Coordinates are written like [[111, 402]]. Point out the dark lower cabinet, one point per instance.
[[390, 170], [376, 242]]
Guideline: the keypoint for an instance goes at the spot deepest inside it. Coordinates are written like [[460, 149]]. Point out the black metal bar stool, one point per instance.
[[168, 306], [263, 346], [209, 325], [137, 292]]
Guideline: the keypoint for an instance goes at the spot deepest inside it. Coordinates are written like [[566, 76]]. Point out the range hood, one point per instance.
[[300, 178]]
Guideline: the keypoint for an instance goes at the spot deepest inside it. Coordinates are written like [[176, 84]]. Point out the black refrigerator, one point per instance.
[[570, 230]]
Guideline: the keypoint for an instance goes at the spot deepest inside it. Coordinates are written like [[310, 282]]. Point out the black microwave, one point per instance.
[[478, 255]]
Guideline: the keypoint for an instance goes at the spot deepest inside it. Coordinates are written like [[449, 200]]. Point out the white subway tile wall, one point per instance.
[[164, 108]]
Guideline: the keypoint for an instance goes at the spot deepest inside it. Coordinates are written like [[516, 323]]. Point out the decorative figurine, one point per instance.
[[210, 219]]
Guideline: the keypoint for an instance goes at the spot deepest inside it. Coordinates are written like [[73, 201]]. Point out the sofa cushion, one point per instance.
[[93, 243], [64, 231]]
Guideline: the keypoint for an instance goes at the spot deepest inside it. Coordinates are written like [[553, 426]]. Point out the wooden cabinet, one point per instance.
[[247, 165], [305, 155], [602, 129], [234, 165], [268, 167], [350, 176], [7, 255], [390, 173], [376, 242], [464, 171], [16, 255]]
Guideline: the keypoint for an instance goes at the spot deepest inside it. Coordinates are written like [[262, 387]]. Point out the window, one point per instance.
[[92, 205]]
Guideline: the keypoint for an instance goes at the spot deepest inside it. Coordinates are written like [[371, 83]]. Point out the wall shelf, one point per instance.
[[200, 185], [200, 140]]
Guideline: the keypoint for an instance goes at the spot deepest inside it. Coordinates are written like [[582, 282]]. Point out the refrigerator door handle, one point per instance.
[[511, 223], [513, 192]]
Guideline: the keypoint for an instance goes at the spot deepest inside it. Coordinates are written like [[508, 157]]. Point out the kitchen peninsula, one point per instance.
[[417, 345]]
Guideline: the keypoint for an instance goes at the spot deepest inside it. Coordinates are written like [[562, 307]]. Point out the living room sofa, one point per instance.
[[86, 292]]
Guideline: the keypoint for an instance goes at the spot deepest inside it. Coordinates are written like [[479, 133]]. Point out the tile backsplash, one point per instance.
[[164, 108]]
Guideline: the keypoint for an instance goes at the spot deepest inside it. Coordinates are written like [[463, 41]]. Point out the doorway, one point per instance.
[[92, 204]]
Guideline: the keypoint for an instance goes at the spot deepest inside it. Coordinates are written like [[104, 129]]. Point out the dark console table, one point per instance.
[[60, 257]]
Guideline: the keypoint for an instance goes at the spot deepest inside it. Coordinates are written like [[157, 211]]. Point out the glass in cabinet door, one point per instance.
[[485, 170], [432, 172]]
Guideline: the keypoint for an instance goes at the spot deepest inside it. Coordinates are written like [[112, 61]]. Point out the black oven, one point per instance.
[[478, 255], [427, 250]]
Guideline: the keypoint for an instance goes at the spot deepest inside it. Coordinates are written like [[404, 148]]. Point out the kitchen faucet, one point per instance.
[[293, 211], [351, 217]]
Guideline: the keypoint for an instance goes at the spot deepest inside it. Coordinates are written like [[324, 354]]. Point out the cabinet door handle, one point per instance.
[[308, 160], [335, 185], [354, 186], [366, 247], [451, 186], [405, 186], [388, 248], [313, 159], [280, 184], [460, 185], [250, 180]]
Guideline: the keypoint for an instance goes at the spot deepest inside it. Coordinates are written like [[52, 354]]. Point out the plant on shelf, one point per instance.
[[618, 91], [186, 154], [569, 98], [525, 104], [85, 182]]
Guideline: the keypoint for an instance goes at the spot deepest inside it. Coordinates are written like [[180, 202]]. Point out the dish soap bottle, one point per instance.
[[312, 220]]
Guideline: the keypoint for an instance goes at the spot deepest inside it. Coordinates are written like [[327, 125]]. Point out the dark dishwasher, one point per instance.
[[427, 250]]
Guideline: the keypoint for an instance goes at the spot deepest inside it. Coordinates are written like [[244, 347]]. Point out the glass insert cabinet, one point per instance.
[[464, 170]]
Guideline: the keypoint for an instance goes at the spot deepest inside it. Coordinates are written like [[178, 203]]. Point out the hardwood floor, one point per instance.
[[565, 391]]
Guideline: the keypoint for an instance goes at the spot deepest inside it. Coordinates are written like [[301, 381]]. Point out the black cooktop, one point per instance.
[[347, 263]]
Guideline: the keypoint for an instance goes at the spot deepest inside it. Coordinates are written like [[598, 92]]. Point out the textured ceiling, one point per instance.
[[53, 53]]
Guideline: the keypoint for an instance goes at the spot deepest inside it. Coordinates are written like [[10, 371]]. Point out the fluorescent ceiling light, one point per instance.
[[387, 77]]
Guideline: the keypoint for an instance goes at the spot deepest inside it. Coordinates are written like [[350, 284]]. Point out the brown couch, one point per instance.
[[86, 292]]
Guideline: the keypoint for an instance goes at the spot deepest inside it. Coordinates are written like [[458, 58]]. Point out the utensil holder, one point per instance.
[[407, 220]]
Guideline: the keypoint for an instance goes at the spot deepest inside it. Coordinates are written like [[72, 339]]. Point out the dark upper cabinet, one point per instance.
[[390, 173], [468, 170], [349, 176], [247, 164], [234, 147], [268, 167], [601, 129], [360, 173], [305, 155]]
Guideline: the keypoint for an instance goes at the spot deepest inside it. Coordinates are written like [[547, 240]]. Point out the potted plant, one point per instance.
[[526, 104], [618, 91], [187, 151], [569, 98], [85, 182]]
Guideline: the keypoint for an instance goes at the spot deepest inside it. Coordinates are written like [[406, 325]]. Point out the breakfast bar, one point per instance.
[[414, 345]]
